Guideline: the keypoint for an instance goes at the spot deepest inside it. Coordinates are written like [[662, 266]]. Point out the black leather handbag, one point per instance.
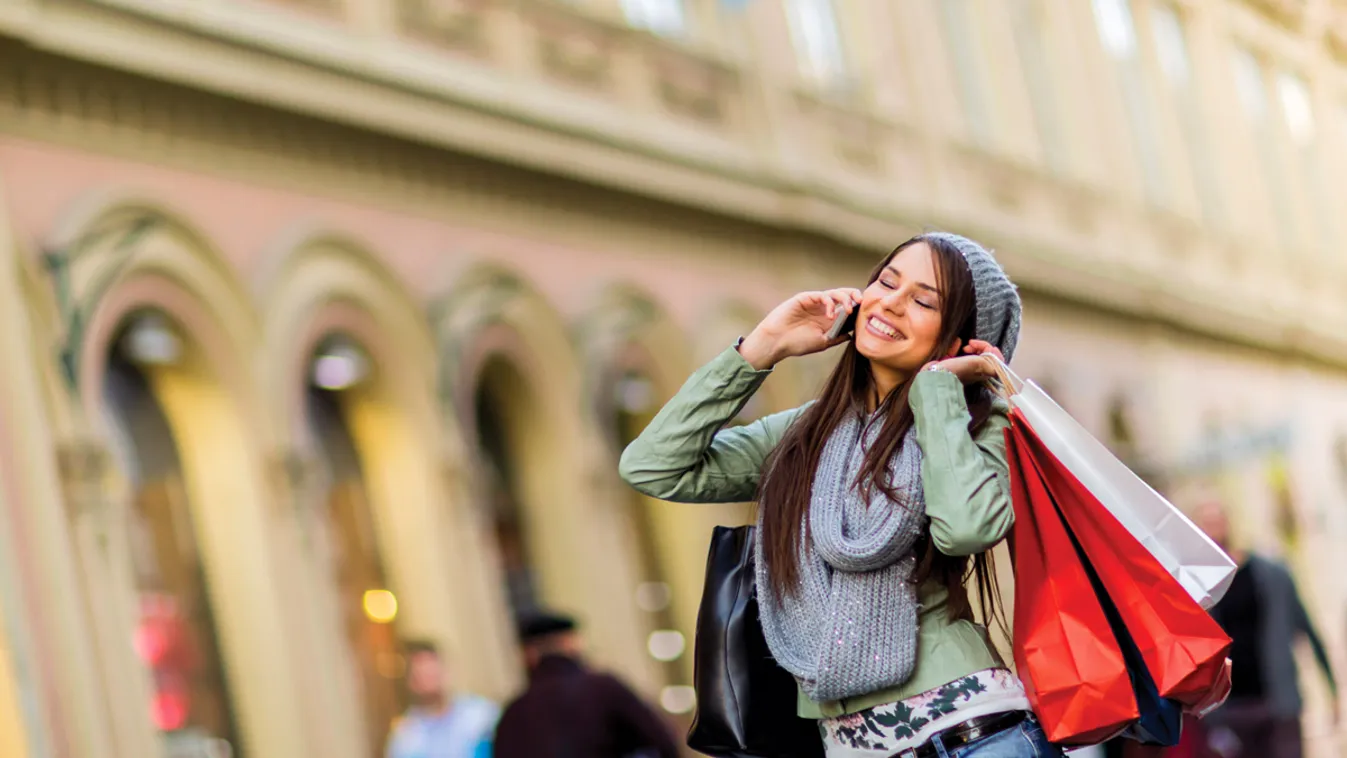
[[745, 701]]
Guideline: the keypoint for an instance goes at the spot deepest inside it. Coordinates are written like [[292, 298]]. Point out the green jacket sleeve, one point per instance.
[[687, 455], [964, 475]]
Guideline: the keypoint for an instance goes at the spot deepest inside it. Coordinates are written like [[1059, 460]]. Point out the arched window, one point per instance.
[[338, 371], [176, 636], [498, 402], [634, 404]]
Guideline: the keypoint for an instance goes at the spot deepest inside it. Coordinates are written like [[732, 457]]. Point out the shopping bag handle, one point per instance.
[[1005, 382]]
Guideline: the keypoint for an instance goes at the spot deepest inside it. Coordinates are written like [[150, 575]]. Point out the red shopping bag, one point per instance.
[[1184, 648], [1065, 652]]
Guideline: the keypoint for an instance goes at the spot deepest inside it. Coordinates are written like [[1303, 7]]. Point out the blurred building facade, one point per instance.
[[324, 321]]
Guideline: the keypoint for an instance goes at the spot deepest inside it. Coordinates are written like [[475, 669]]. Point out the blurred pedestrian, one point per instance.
[[439, 724], [1264, 617], [568, 711]]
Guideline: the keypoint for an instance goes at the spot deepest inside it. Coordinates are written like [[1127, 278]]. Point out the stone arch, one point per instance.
[[319, 283], [635, 358], [493, 323], [129, 238], [625, 317], [44, 325], [317, 269], [211, 406]]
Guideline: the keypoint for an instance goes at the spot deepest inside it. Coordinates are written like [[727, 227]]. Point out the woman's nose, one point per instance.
[[894, 301]]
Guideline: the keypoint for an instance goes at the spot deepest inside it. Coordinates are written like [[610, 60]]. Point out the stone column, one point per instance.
[[321, 662], [97, 525], [68, 687]]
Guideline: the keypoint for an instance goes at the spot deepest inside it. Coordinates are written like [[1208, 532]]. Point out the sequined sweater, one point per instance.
[[687, 454]]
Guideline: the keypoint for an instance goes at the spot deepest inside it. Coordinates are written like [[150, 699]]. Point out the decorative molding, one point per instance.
[[459, 318], [603, 338], [78, 294], [573, 48], [58, 100], [1289, 13], [847, 132], [83, 466], [322, 8], [1335, 30], [458, 25], [693, 86]]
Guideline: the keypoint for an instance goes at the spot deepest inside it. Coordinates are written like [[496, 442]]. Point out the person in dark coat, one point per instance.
[[568, 711], [1263, 614]]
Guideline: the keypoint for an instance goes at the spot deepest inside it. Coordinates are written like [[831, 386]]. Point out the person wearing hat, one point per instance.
[[876, 501], [569, 711]]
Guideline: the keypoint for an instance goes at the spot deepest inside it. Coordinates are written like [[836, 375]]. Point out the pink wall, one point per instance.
[[247, 222]]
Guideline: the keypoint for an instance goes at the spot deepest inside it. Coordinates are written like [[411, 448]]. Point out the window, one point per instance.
[[1171, 51], [818, 42], [346, 537], [664, 17], [1170, 45], [1296, 109], [1293, 94], [1250, 84], [1342, 135], [176, 635], [960, 36], [635, 406], [1118, 36], [1027, 26], [1114, 19]]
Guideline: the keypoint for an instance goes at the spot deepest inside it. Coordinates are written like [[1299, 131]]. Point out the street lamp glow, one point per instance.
[[381, 606]]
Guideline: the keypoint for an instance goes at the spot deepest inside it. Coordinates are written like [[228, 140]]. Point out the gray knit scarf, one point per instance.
[[851, 629]]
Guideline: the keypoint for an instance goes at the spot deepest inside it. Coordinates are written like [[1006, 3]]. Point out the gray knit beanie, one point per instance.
[[997, 301]]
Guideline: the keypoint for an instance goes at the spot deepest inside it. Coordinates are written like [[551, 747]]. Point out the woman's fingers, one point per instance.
[[812, 302], [982, 347], [848, 297], [829, 302], [845, 298]]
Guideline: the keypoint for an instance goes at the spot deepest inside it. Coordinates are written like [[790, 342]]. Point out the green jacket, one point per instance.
[[688, 455]]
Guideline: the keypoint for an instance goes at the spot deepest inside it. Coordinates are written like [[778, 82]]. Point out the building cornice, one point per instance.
[[596, 102]]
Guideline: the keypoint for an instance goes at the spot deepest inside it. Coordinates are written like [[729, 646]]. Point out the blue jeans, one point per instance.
[[1024, 740]]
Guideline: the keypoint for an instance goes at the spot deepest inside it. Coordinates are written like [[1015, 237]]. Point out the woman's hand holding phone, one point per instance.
[[800, 326]]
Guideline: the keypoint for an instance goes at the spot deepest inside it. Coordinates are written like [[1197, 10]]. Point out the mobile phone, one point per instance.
[[845, 323]]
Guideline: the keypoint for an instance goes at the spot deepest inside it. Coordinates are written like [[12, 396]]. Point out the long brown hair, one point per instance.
[[787, 486]]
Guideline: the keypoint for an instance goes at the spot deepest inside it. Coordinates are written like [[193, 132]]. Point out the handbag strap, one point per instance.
[[1004, 382]]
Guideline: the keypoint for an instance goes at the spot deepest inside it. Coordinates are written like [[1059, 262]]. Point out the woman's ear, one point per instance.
[[954, 348]]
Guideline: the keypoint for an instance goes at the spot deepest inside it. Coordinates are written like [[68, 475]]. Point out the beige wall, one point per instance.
[[618, 189]]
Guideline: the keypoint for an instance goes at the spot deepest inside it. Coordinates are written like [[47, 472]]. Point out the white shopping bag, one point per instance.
[[1203, 569]]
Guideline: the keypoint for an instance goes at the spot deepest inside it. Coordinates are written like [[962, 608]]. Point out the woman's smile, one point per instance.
[[883, 329]]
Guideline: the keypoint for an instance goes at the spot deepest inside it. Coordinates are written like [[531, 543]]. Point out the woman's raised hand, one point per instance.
[[798, 326], [971, 365]]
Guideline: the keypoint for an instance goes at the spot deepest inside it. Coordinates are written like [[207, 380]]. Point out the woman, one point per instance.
[[873, 500]]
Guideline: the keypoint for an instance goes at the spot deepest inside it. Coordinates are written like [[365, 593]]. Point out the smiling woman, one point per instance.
[[873, 500]]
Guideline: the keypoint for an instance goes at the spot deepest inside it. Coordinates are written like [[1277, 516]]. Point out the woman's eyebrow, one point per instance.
[[922, 285]]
